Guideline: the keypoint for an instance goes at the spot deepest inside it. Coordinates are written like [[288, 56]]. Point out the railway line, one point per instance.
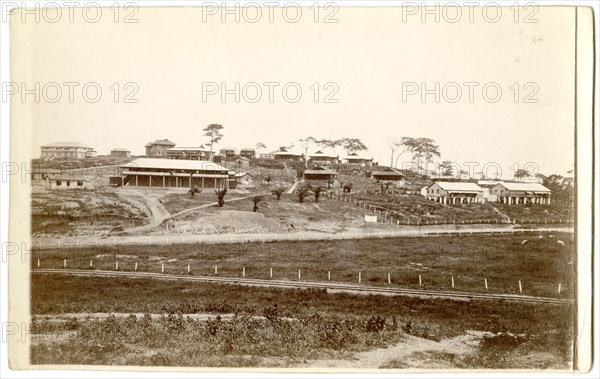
[[334, 287]]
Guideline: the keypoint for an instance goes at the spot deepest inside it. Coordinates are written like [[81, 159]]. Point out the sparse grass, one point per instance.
[[299, 324], [503, 260], [82, 212]]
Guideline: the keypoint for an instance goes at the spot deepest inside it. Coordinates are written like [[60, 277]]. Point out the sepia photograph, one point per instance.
[[298, 187]]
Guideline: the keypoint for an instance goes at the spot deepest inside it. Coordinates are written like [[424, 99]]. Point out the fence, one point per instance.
[[393, 218], [370, 277]]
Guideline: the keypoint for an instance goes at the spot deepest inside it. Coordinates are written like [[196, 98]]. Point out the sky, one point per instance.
[[371, 69]]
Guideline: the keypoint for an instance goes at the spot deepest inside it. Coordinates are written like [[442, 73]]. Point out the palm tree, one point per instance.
[[256, 200], [317, 191], [302, 192], [221, 196], [278, 192], [194, 190]]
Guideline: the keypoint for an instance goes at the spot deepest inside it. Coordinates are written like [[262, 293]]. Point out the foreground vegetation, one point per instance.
[[252, 326]]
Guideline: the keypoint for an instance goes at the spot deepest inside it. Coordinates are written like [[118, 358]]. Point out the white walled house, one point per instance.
[[67, 150], [520, 193], [455, 193]]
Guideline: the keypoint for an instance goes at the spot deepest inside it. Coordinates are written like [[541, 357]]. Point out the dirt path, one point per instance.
[[158, 212], [293, 187], [409, 353], [422, 231], [215, 203]]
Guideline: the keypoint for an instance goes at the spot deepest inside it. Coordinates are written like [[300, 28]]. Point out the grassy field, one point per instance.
[[540, 264], [276, 327]]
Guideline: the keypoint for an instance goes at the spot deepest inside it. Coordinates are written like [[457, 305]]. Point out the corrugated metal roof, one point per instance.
[[66, 144], [174, 164], [181, 148], [537, 187], [121, 149], [459, 186], [320, 172]]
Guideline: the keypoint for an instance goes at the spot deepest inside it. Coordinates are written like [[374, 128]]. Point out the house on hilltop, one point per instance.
[[190, 153], [357, 159], [320, 158], [67, 150], [120, 152], [158, 148], [285, 155]]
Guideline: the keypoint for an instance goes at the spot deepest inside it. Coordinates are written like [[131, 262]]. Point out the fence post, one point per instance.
[[271, 272], [38, 263], [188, 268], [452, 281], [91, 263], [65, 264], [389, 279], [420, 281], [117, 265], [243, 272], [520, 287], [135, 266], [328, 275], [299, 275], [216, 270], [162, 268], [485, 282], [559, 285], [359, 277]]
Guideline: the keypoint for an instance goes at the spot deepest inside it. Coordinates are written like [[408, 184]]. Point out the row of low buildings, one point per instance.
[[501, 192], [164, 148]]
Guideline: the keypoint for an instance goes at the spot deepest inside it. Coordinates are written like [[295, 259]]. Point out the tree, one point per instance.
[[327, 144], [421, 149], [446, 168], [317, 192], [352, 145], [260, 146], [278, 192], [213, 131], [302, 192], [521, 174], [348, 187], [256, 200], [268, 179], [394, 144], [221, 196], [194, 190], [306, 143]]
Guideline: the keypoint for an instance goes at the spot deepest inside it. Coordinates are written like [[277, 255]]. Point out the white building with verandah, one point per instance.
[[455, 193], [521, 193], [67, 150], [163, 172]]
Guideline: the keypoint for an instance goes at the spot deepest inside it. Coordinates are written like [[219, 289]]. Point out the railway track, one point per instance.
[[336, 287]]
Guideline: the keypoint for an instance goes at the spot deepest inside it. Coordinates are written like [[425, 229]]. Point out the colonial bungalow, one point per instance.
[[356, 159], [229, 153], [240, 178], [67, 150], [284, 155], [68, 181], [521, 193], [388, 175], [321, 158], [248, 153], [120, 152], [455, 193], [319, 175], [158, 148], [190, 153], [267, 155], [162, 172]]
